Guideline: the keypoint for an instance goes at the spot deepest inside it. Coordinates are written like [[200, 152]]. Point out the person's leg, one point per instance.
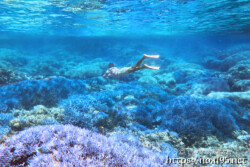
[[151, 56], [146, 56], [151, 67], [133, 69], [140, 61]]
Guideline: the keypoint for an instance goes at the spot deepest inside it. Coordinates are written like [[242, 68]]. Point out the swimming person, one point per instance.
[[116, 72]]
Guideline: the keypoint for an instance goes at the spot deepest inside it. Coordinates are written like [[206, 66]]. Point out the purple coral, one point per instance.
[[67, 145]]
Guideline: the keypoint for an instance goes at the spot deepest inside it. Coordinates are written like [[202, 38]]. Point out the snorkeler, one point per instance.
[[116, 72]]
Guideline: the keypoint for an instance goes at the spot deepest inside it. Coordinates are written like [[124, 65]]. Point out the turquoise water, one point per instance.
[[139, 17], [58, 109]]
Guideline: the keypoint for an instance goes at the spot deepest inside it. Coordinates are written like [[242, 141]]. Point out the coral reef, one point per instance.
[[8, 76], [72, 146], [67, 64], [90, 112], [157, 140], [93, 68], [241, 85], [16, 125], [150, 107], [4, 122], [147, 112], [239, 76], [166, 81], [207, 146], [225, 63], [240, 70], [187, 104], [161, 141], [198, 117], [236, 65], [210, 147], [201, 87], [242, 98], [12, 58], [29, 93], [39, 115], [148, 79], [184, 72], [140, 91], [116, 107]]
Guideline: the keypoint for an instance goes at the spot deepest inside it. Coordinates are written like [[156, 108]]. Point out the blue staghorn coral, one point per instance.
[[4, 122], [29, 93], [201, 117], [117, 107]]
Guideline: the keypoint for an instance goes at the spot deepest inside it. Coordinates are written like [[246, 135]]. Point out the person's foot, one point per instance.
[[151, 56], [151, 67]]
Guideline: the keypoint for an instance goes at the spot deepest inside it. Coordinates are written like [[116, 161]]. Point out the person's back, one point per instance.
[[116, 72]]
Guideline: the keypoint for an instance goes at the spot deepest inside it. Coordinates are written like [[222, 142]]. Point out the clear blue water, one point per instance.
[[54, 53], [124, 17]]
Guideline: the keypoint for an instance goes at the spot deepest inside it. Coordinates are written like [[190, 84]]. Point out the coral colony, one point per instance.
[[67, 145]]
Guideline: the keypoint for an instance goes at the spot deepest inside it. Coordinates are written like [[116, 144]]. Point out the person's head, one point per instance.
[[111, 65]]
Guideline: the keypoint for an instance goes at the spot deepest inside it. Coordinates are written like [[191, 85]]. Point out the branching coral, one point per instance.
[[117, 107], [71, 146], [4, 121], [199, 117], [91, 111], [29, 93]]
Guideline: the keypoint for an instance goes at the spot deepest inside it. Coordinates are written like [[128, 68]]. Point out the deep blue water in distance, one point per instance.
[[53, 54]]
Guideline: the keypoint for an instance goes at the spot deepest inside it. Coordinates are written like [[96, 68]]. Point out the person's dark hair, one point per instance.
[[111, 65]]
